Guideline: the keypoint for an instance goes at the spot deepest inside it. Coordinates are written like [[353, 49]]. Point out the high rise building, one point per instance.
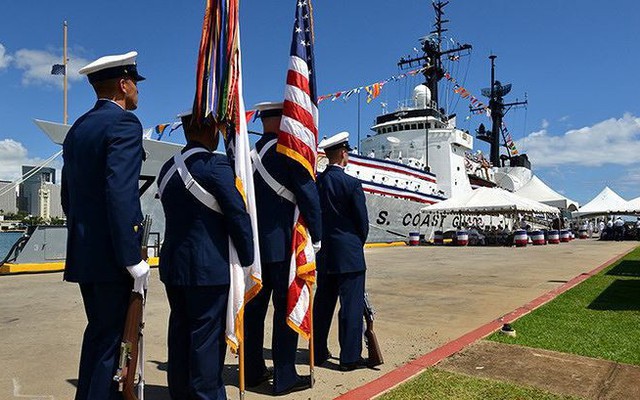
[[39, 195], [8, 199]]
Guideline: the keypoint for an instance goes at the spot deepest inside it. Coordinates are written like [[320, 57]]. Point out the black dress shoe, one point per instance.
[[361, 363], [266, 375], [319, 360], [303, 383]]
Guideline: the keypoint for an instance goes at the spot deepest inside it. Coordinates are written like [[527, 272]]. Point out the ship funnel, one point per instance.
[[421, 96]]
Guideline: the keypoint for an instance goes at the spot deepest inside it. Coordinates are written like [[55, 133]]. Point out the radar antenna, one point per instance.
[[433, 52], [498, 110]]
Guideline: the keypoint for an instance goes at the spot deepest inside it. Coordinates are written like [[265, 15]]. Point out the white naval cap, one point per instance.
[[269, 109], [335, 142], [114, 66]]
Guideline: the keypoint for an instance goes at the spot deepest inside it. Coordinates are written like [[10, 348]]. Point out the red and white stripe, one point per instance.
[[297, 139]]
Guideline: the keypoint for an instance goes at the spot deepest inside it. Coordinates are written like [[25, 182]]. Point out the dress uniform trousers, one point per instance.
[[349, 287], [106, 306], [197, 341], [275, 279]]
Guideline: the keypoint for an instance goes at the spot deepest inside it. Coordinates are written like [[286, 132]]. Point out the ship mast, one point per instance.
[[498, 110], [433, 53]]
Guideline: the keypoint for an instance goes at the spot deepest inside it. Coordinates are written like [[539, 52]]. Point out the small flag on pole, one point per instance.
[[58, 69]]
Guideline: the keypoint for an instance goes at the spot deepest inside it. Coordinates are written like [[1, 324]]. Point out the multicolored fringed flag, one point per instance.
[[219, 97], [217, 69], [298, 139]]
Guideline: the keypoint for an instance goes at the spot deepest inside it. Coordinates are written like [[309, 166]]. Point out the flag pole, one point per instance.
[[241, 385], [65, 115], [311, 351]]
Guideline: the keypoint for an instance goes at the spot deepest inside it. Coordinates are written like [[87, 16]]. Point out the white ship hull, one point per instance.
[[395, 192]]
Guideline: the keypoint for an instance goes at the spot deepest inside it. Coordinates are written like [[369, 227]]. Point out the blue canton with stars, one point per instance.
[[302, 42]]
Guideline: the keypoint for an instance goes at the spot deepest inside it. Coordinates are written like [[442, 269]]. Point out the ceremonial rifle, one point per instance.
[[132, 344], [375, 353]]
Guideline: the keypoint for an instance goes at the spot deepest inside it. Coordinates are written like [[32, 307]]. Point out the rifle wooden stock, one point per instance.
[[373, 348], [126, 373]]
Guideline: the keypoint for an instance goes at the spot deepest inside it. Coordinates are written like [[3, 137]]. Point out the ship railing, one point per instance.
[[411, 104]]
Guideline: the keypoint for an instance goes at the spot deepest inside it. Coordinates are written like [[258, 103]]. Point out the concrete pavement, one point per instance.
[[424, 296]]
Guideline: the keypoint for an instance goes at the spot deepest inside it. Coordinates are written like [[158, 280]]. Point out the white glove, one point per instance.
[[140, 274], [316, 246]]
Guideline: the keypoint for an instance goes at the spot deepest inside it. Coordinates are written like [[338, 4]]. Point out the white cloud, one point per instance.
[[36, 66], [564, 118], [631, 178], [5, 58], [545, 124], [613, 141], [14, 155]]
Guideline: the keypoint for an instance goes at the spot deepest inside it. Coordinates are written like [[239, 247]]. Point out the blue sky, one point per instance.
[[577, 60]]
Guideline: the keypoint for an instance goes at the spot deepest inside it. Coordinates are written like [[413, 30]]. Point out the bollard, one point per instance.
[[520, 238], [414, 238], [554, 237], [537, 238], [462, 238]]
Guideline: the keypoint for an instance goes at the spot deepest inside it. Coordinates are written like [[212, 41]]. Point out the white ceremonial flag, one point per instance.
[[245, 282]]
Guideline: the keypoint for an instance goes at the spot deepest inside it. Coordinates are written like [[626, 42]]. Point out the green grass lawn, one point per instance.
[[599, 318], [436, 384]]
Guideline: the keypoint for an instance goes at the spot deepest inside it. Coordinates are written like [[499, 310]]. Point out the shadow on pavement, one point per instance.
[[154, 392]]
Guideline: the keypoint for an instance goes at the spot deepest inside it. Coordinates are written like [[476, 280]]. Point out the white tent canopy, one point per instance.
[[635, 203], [490, 201], [607, 202], [537, 190]]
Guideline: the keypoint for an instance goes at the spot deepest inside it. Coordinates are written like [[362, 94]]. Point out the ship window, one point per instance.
[[395, 128], [406, 127], [413, 126], [421, 126]]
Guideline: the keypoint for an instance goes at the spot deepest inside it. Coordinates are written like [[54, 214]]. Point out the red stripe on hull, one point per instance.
[[399, 195], [400, 171]]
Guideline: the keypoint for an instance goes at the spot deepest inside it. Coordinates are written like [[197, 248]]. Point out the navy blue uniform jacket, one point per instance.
[[345, 223], [102, 160], [275, 214], [195, 251]]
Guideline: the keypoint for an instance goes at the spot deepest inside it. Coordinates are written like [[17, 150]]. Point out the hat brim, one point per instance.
[[120, 71], [137, 77], [274, 112], [343, 145]]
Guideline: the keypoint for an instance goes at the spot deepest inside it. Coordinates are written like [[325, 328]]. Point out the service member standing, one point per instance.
[[341, 265], [203, 209], [102, 160], [280, 183]]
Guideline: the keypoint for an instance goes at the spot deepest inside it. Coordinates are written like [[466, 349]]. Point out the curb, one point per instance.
[[407, 371], [20, 269], [390, 244]]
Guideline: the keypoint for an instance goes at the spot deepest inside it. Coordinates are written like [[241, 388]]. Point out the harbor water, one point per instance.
[[7, 239]]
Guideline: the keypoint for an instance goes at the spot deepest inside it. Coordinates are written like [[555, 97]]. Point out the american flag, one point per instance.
[[298, 135], [58, 69], [297, 139]]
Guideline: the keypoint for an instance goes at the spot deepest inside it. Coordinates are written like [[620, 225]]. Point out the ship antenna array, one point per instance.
[[498, 109], [431, 60]]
